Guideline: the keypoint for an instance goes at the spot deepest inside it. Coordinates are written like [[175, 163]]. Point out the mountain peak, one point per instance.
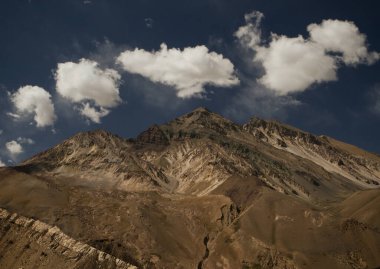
[[92, 133], [200, 122], [275, 126], [153, 135], [77, 148], [201, 114], [98, 136], [201, 109]]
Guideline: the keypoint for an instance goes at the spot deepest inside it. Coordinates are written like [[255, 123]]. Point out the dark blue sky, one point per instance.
[[36, 35]]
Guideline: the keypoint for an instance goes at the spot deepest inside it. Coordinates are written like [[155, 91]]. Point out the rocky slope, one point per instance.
[[197, 152], [334, 156], [26, 242], [203, 192]]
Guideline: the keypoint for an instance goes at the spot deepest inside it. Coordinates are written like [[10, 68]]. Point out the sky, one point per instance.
[[119, 65]]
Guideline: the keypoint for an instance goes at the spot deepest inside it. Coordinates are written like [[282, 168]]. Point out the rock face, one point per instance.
[[334, 156], [27, 243], [198, 192]]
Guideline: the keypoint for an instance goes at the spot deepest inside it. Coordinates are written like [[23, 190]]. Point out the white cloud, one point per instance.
[[85, 82], [24, 140], [2, 164], [293, 64], [14, 147], [34, 100], [93, 114], [187, 70], [343, 37], [250, 33], [13, 115]]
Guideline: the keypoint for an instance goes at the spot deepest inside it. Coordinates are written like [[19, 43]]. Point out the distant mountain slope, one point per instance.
[[197, 192], [334, 156], [197, 152]]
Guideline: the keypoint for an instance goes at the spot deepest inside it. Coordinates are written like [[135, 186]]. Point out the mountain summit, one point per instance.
[[197, 152], [197, 192]]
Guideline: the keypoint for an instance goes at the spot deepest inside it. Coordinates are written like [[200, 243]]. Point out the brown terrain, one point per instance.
[[197, 192]]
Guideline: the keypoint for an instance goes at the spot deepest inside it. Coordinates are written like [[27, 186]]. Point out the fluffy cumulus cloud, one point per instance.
[[36, 101], [293, 64], [187, 70], [85, 83], [343, 37], [2, 164], [14, 147]]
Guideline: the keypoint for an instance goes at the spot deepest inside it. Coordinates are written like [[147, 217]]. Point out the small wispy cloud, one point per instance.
[[255, 99], [14, 148], [149, 22], [24, 140], [13, 115], [374, 97]]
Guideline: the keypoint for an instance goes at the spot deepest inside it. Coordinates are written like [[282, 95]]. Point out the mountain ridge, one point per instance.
[[221, 138], [200, 191]]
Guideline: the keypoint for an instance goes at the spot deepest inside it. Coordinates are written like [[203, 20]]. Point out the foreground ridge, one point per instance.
[[37, 238]]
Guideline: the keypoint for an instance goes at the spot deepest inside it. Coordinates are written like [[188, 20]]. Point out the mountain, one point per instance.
[[197, 192]]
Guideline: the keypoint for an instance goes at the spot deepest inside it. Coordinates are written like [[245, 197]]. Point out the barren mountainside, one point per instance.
[[198, 192]]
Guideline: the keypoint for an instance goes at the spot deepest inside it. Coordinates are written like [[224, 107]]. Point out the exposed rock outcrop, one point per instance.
[[28, 243]]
